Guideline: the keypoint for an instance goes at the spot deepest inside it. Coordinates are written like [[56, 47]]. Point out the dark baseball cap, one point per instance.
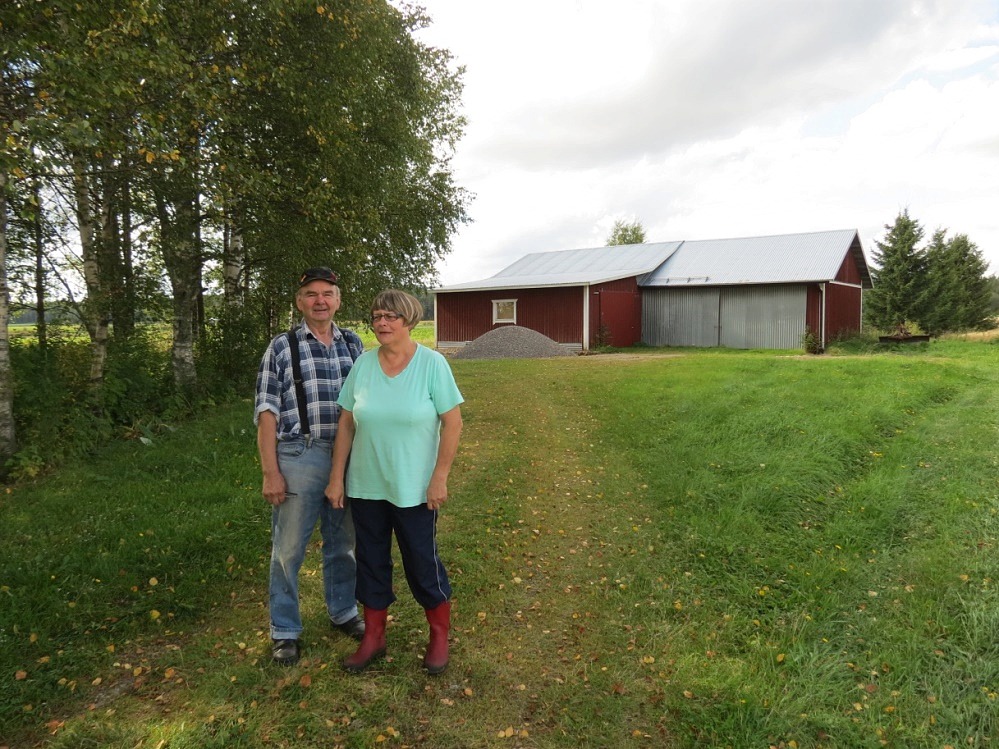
[[317, 274]]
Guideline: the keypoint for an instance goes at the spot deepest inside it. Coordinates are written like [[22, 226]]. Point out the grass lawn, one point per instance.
[[703, 549]]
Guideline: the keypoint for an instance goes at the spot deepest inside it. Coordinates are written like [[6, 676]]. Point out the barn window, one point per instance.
[[504, 310]]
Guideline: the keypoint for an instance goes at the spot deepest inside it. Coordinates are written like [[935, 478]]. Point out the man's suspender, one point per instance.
[[296, 372]]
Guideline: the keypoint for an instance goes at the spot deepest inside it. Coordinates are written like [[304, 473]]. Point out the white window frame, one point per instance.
[[496, 311]]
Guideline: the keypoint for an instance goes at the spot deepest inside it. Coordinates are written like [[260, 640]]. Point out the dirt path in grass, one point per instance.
[[561, 528]]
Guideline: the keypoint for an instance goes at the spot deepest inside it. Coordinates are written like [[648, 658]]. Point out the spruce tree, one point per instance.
[[899, 294], [972, 296], [942, 285], [959, 293]]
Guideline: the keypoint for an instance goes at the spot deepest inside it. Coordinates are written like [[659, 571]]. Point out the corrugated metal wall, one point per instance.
[[680, 317], [762, 316], [734, 317]]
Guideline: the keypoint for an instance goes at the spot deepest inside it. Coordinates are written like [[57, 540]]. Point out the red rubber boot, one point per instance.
[[372, 646], [436, 659]]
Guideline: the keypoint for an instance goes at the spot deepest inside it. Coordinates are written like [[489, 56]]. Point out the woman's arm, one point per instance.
[[341, 450], [447, 449]]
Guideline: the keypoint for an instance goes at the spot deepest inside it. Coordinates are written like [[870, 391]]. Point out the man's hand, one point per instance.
[[275, 490]]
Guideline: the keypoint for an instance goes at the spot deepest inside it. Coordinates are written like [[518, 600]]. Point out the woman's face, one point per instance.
[[389, 327]]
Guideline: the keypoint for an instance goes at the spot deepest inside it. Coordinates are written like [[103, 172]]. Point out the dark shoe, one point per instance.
[[285, 652], [352, 628]]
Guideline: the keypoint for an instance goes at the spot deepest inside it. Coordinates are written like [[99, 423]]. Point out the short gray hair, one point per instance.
[[407, 306]]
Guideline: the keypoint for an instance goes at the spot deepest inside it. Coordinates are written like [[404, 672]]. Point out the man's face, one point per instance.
[[318, 301]]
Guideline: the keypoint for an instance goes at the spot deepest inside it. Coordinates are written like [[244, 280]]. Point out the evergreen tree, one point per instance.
[[972, 294], [993, 283], [958, 290], [942, 286], [899, 294]]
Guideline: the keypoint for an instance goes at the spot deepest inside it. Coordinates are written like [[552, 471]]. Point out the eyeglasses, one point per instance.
[[386, 316]]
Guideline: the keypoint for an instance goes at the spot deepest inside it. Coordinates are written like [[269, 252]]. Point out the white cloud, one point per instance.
[[955, 60], [720, 118]]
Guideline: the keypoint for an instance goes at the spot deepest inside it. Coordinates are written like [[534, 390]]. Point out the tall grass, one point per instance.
[[702, 549], [831, 517]]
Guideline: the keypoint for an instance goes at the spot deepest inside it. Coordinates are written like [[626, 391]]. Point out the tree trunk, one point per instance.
[[114, 269], [127, 265], [95, 307], [180, 255], [199, 281], [232, 264], [41, 325], [8, 443]]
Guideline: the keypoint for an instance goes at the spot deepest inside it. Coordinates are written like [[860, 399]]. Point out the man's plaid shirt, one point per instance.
[[323, 373]]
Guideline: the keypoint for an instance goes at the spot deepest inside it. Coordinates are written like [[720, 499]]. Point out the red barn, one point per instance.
[[756, 292]]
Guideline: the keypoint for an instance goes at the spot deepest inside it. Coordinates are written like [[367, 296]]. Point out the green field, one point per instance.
[[422, 333], [649, 549]]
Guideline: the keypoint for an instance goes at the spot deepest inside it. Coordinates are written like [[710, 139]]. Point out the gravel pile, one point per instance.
[[512, 342]]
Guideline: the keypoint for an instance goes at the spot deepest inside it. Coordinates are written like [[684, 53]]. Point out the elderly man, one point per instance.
[[296, 415]]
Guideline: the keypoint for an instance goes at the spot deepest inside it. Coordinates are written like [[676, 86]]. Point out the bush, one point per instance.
[[811, 342], [229, 352], [138, 379], [56, 415]]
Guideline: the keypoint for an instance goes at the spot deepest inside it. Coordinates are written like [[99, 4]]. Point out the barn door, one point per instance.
[[618, 318]]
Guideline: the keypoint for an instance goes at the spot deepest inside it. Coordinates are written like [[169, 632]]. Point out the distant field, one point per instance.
[[63, 331], [422, 333]]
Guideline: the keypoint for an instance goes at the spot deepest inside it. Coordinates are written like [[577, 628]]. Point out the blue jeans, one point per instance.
[[306, 471]]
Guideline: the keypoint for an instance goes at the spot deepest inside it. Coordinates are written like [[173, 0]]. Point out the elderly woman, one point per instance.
[[399, 426]]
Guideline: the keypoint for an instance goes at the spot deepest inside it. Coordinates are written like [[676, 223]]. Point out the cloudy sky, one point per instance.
[[705, 119]]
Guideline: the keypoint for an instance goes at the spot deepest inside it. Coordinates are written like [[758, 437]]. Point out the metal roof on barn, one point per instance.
[[785, 258], [781, 258], [575, 267]]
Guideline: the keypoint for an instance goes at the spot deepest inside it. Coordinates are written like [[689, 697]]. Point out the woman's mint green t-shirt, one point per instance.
[[397, 425]]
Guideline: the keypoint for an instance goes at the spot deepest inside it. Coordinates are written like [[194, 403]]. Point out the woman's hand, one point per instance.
[[446, 450], [436, 492], [335, 493]]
